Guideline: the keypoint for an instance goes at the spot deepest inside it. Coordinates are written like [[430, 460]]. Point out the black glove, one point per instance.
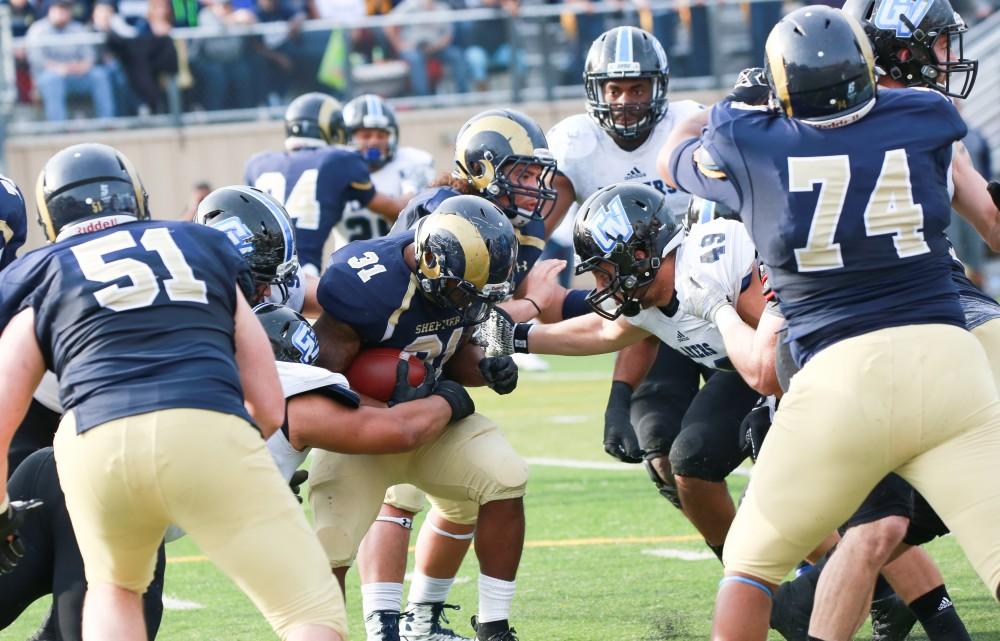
[[404, 392], [620, 440], [295, 483], [754, 429], [994, 188], [500, 373], [458, 398], [751, 87], [11, 548]]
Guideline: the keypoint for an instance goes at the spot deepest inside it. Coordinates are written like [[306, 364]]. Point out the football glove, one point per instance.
[[701, 301], [754, 429], [404, 392], [500, 373], [295, 483], [11, 548], [620, 440], [501, 336], [994, 188], [751, 87], [458, 398]]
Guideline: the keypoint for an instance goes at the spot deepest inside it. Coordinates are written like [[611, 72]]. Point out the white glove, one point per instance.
[[698, 300]]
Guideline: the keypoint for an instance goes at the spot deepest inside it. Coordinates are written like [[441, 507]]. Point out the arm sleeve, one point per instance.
[[695, 172]]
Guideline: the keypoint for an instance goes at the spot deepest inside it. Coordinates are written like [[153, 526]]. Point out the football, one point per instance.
[[373, 371]]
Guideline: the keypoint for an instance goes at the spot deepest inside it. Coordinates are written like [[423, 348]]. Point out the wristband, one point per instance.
[[521, 331], [575, 303]]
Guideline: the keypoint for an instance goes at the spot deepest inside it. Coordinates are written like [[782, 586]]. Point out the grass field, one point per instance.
[[597, 563]]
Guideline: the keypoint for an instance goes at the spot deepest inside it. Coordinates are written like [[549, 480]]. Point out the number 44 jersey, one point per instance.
[[134, 318], [370, 287]]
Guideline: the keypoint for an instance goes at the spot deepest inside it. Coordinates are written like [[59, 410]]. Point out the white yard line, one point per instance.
[[682, 555], [173, 603]]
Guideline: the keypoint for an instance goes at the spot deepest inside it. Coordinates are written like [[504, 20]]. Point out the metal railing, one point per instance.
[[982, 108]]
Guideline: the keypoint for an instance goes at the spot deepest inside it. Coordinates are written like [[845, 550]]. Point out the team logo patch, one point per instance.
[[304, 339], [889, 15], [239, 234], [610, 225]]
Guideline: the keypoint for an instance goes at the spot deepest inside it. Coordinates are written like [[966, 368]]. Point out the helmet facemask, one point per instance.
[[626, 275], [509, 180], [934, 59], [627, 121]]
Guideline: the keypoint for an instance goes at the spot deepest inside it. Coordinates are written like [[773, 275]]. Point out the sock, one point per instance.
[[381, 596], [495, 597], [426, 589], [882, 589], [937, 615]]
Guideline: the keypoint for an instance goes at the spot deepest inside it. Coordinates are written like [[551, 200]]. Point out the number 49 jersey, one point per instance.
[[720, 255], [134, 318], [370, 287], [850, 221], [314, 184]]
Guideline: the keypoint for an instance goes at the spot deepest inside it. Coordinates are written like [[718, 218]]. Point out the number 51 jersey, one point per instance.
[[370, 287], [134, 318]]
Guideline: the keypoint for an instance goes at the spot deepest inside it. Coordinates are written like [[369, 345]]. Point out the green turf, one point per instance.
[[582, 590]]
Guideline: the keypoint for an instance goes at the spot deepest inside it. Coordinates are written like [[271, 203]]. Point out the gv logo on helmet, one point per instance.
[[304, 339], [239, 234], [890, 15], [611, 225]]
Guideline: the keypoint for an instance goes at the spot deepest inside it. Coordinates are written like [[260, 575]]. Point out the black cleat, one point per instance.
[[891, 619], [792, 606], [493, 631]]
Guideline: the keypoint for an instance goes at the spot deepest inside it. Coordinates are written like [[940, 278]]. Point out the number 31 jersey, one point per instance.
[[370, 287], [135, 318], [720, 255]]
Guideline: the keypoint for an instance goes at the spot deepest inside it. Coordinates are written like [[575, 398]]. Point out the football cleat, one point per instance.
[[792, 607], [383, 625], [422, 622], [493, 631], [891, 619]]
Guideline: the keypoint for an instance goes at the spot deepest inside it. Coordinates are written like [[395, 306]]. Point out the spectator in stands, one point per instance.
[[224, 68], [583, 26], [684, 33], [63, 70], [291, 59], [487, 43], [22, 14], [199, 192], [419, 43], [144, 53]]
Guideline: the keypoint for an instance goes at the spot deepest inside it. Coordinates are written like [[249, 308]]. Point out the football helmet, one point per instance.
[[369, 111], [919, 44], [622, 232], [829, 90], [293, 339], [701, 210], [315, 119], [493, 152], [260, 229], [86, 182], [465, 251], [626, 52]]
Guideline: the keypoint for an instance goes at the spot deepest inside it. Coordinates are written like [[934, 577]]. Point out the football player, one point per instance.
[[629, 239], [317, 175], [861, 268], [145, 326], [424, 292], [501, 155], [373, 130], [13, 221], [627, 121]]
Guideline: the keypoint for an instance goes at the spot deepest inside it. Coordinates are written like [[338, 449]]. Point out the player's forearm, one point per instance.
[[972, 201], [366, 430], [22, 371], [582, 336], [633, 363], [463, 367], [740, 347], [520, 310]]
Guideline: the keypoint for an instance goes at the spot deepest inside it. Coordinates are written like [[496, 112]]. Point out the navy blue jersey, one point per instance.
[[369, 286], [530, 237], [314, 184], [13, 221], [134, 318], [850, 221]]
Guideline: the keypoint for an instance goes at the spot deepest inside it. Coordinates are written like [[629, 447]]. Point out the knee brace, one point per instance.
[[667, 489]]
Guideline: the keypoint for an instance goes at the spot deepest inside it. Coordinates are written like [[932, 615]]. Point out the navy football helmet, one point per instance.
[[293, 339], [316, 118], [633, 54], [613, 227], [260, 229], [85, 182], [465, 251], [919, 44], [828, 90]]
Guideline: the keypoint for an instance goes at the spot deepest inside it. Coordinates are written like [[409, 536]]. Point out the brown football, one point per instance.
[[373, 371]]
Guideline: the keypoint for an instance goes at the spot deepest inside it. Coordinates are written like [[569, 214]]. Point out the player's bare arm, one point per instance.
[[565, 198], [539, 295], [463, 367], [258, 374], [338, 343], [19, 377], [310, 304], [388, 206], [584, 336], [687, 129], [634, 361], [971, 200]]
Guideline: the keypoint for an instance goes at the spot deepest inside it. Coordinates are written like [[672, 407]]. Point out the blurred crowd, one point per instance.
[[142, 56]]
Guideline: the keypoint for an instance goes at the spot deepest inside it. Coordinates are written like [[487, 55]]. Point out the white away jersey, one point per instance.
[[721, 255], [297, 378], [591, 159], [410, 168]]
